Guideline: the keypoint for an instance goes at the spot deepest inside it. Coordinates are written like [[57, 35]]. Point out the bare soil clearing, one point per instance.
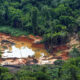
[[32, 42]]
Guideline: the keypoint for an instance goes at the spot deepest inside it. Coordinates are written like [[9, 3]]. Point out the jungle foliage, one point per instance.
[[62, 70], [54, 20]]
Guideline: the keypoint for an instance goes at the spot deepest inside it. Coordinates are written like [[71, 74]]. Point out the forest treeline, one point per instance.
[[69, 70], [54, 20]]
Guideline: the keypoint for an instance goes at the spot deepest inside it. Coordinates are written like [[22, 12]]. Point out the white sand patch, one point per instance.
[[23, 52]]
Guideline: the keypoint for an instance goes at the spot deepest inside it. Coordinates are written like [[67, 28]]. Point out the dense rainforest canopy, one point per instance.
[[52, 19], [55, 21]]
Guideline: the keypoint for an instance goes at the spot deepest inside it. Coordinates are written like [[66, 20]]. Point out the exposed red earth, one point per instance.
[[31, 42]]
